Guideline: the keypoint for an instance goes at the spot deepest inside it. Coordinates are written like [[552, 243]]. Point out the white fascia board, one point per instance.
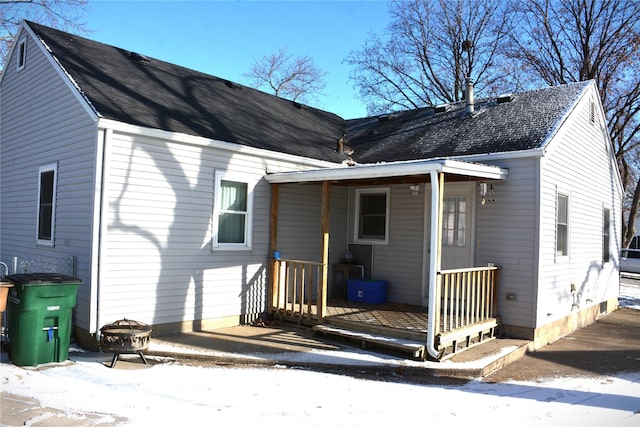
[[68, 79], [385, 170], [477, 170], [184, 138], [568, 112]]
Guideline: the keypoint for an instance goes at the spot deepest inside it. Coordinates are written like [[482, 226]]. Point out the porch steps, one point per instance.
[[414, 348], [452, 342], [374, 328]]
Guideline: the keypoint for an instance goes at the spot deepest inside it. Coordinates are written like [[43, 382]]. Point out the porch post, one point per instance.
[[433, 309], [322, 290], [273, 245]]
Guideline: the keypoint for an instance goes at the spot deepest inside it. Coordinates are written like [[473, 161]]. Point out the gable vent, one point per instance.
[[139, 58], [508, 97]]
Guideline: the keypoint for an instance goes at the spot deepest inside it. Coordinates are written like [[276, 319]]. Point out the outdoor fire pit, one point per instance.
[[125, 337]]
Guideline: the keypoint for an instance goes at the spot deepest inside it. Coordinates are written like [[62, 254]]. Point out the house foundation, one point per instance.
[[557, 329]]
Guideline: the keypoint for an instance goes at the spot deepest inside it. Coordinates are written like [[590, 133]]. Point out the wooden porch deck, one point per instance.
[[404, 322], [393, 319]]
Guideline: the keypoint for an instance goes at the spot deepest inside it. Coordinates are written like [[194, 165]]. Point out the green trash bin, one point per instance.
[[39, 309]]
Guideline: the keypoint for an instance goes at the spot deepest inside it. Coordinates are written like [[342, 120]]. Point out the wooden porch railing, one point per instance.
[[466, 297], [297, 291]]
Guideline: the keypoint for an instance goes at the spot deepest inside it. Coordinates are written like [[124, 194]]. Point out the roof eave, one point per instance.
[[210, 143], [386, 170]]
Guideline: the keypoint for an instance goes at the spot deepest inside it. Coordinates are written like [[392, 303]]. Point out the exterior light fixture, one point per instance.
[[483, 188], [486, 193]]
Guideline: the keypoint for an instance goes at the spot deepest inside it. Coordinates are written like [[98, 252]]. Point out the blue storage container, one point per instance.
[[367, 290]]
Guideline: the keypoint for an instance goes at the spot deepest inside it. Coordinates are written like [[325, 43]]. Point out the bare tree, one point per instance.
[[63, 14], [295, 78], [563, 41], [420, 60]]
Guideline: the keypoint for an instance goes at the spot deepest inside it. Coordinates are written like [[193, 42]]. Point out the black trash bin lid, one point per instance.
[[41, 278]]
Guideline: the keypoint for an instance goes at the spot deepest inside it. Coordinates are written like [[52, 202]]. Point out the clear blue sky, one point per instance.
[[223, 38]]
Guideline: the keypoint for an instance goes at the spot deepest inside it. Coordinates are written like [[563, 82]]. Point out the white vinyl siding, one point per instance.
[[506, 235], [159, 264], [66, 135], [300, 220], [517, 231], [400, 260], [591, 182]]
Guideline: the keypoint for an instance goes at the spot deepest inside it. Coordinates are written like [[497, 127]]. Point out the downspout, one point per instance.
[[434, 263], [100, 230], [94, 303]]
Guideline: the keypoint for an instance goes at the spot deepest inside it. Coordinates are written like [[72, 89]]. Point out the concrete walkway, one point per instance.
[[284, 344], [613, 335]]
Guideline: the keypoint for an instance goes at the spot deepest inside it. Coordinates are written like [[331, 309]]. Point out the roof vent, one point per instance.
[[232, 85], [469, 97], [299, 106], [508, 97], [467, 45], [442, 108], [386, 117], [139, 58]]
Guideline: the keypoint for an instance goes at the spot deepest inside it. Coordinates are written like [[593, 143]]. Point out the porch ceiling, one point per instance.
[[411, 171]]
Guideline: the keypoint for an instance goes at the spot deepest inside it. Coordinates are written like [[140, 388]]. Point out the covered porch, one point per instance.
[[465, 311], [461, 304]]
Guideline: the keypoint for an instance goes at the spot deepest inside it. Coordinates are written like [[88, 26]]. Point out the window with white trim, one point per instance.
[[47, 183], [233, 206], [372, 215], [22, 54], [562, 225], [606, 225]]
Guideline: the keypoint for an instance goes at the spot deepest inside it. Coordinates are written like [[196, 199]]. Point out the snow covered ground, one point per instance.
[[170, 394]]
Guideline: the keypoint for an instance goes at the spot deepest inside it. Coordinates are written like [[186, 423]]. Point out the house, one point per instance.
[[172, 191]]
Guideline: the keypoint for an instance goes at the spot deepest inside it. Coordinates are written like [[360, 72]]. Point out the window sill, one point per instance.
[[372, 241], [231, 249]]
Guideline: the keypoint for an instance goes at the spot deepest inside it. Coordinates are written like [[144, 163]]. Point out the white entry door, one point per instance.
[[457, 225]]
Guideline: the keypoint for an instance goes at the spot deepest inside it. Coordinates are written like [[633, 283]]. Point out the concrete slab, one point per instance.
[[611, 340], [286, 344]]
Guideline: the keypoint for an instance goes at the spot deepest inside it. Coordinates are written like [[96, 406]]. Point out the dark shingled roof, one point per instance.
[[131, 88], [523, 123]]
